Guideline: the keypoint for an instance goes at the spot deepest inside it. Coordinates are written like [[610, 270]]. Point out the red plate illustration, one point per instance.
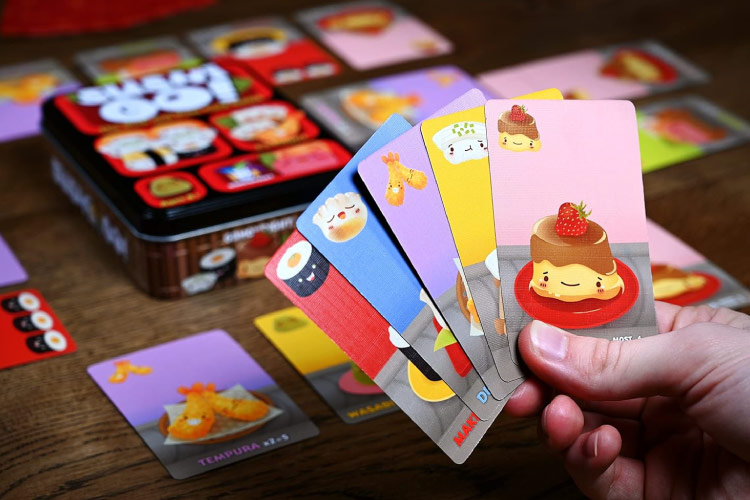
[[587, 313], [712, 285]]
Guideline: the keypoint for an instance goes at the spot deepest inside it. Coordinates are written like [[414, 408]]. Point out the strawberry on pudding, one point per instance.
[[571, 257], [518, 130]]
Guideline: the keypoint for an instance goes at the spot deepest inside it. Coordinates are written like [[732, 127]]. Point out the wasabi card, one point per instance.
[[336, 378], [326, 297], [402, 184], [342, 226], [201, 403], [570, 217]]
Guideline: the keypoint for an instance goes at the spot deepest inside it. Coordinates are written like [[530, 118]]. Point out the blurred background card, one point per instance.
[[336, 378], [369, 34], [680, 129], [684, 277], [624, 71], [23, 87], [11, 270]]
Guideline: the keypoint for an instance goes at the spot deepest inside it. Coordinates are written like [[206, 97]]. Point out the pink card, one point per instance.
[[569, 217]]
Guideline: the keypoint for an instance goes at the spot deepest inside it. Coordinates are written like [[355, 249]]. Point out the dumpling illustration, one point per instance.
[[462, 141], [342, 217]]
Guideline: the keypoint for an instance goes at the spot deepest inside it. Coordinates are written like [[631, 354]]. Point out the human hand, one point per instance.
[[663, 416]]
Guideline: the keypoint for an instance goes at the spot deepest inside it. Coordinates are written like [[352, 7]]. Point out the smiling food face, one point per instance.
[[302, 268], [518, 130], [341, 217], [462, 141]]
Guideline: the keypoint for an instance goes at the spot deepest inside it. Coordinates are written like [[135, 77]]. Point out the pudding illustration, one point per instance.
[[341, 217], [462, 141], [571, 258], [518, 130]]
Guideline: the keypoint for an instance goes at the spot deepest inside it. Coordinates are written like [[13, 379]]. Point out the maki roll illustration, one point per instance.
[[24, 301], [251, 43], [302, 268], [222, 262], [38, 320], [49, 341]]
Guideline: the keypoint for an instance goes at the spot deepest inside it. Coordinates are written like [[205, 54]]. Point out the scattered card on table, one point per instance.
[[201, 402], [338, 380], [683, 128], [624, 71], [11, 270], [270, 46], [135, 59], [23, 87], [354, 112], [369, 34], [684, 277], [570, 217], [29, 330]]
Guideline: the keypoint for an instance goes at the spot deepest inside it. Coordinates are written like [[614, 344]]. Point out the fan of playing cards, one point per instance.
[[429, 252]]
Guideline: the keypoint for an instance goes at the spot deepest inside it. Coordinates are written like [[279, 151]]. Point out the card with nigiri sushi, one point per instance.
[[342, 225], [201, 402], [684, 277], [570, 218], [335, 377], [314, 285]]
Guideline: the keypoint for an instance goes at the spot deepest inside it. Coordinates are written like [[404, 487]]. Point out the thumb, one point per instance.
[[597, 369]]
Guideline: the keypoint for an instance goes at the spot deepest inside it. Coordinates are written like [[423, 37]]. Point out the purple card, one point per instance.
[[11, 271], [23, 88], [201, 403]]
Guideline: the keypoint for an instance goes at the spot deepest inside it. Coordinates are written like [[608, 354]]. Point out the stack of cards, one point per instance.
[[436, 244]]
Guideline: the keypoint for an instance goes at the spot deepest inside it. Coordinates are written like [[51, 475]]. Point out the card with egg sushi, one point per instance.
[[314, 285], [201, 402], [335, 377], [135, 59], [353, 112], [570, 218], [413, 210], [271, 47], [680, 129], [457, 148], [624, 71], [11, 270], [372, 33], [29, 330], [684, 277], [342, 225]]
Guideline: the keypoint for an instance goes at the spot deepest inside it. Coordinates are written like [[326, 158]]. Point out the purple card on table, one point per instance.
[[11, 271], [201, 403]]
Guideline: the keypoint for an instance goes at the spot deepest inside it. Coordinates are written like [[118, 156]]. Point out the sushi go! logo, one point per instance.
[[159, 97]]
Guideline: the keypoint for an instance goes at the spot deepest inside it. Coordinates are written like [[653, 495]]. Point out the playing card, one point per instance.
[[23, 88], [684, 277], [401, 182], [11, 270], [135, 59], [623, 71], [683, 128], [570, 219], [457, 147], [270, 46], [324, 295], [342, 226], [369, 34], [29, 330], [201, 402], [336, 378], [354, 112]]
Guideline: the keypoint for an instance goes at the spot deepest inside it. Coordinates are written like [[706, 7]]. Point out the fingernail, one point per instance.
[[592, 445], [544, 420], [548, 342]]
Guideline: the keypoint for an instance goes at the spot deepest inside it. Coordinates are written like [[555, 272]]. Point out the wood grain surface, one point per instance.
[[61, 437]]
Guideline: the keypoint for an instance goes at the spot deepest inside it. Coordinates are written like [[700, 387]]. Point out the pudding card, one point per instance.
[[570, 219], [401, 182], [354, 112], [341, 224], [683, 128], [270, 46], [457, 149], [684, 277], [336, 378], [11, 270], [29, 330], [373, 33], [383, 355], [201, 402], [625, 71]]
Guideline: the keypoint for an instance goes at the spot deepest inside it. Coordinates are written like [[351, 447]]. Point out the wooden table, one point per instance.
[[60, 436]]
